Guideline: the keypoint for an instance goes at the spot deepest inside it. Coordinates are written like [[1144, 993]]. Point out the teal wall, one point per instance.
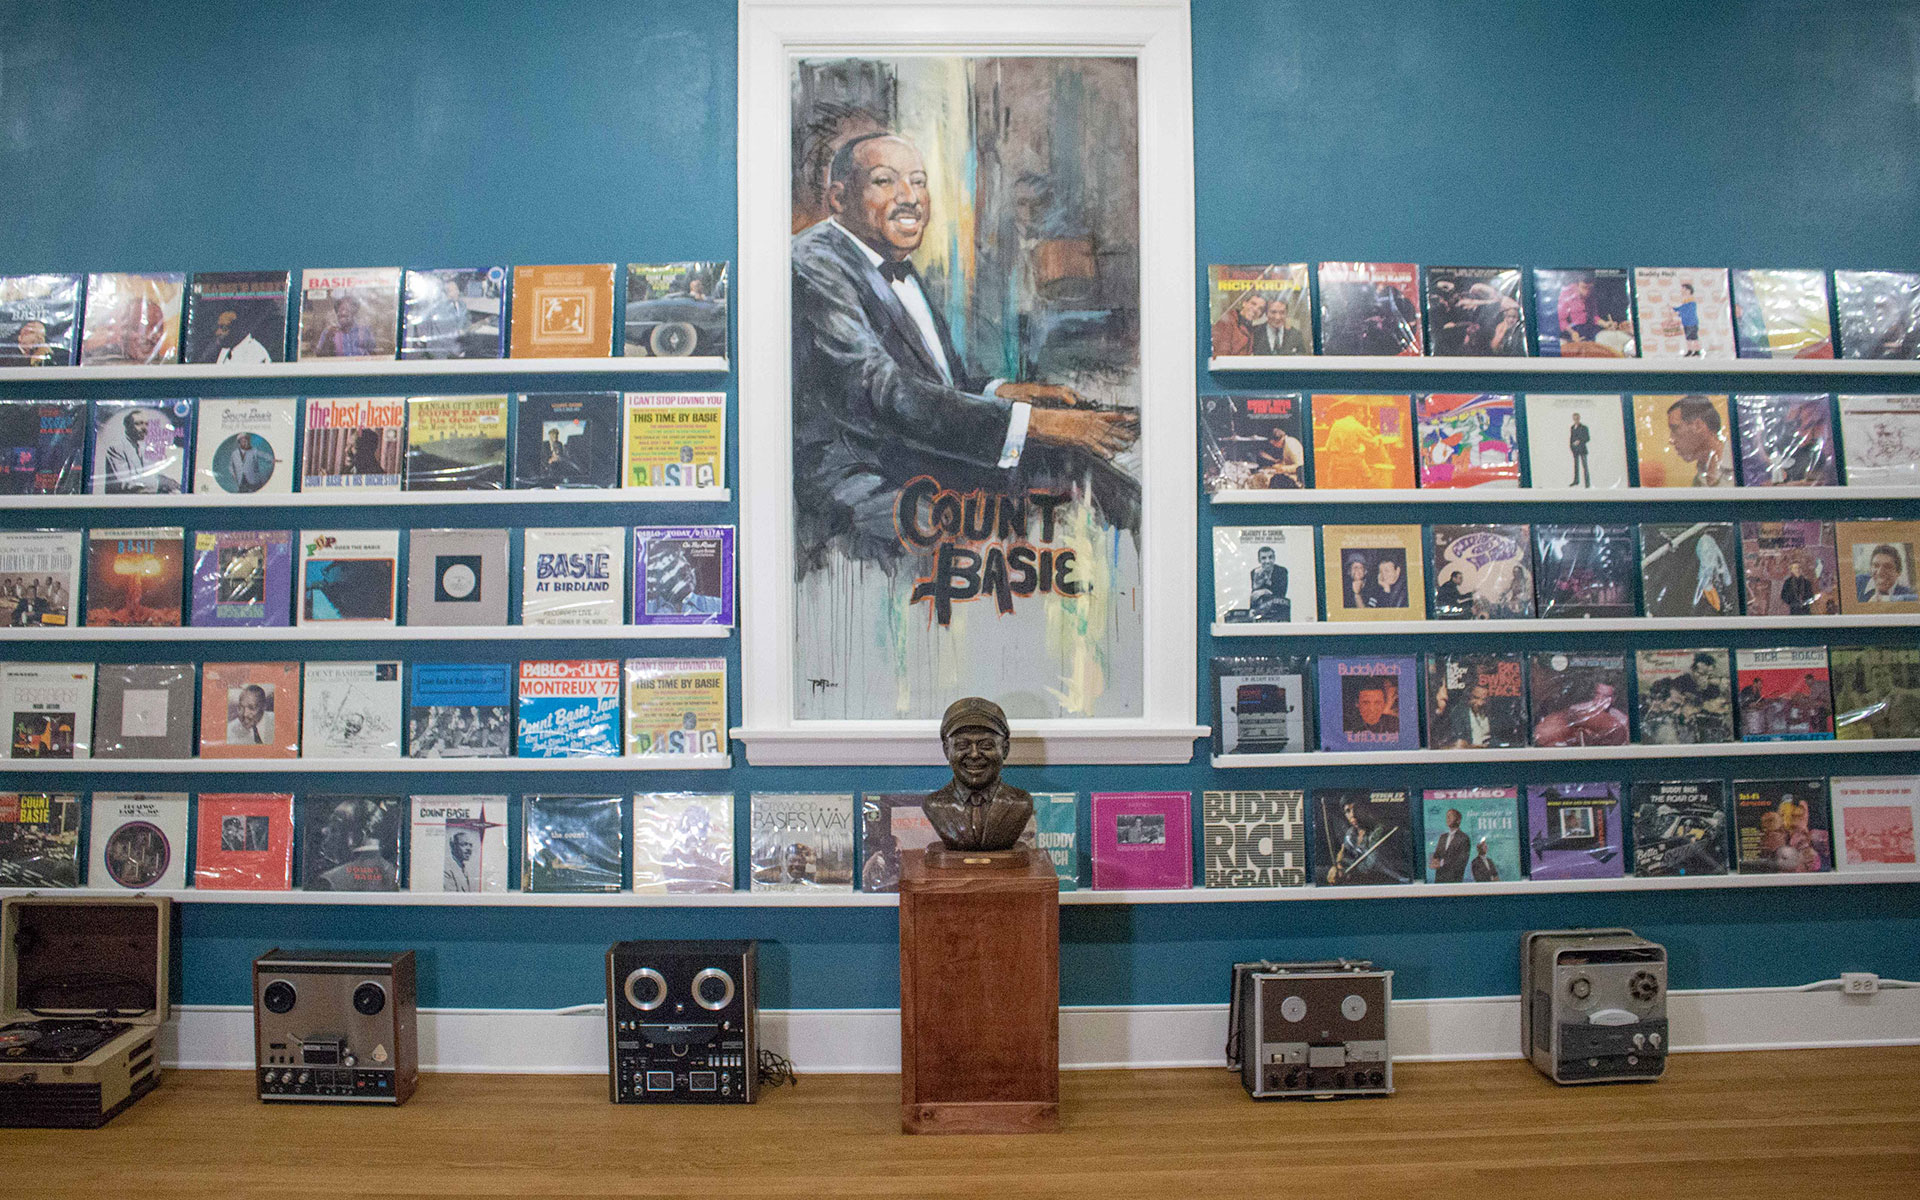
[[209, 136]]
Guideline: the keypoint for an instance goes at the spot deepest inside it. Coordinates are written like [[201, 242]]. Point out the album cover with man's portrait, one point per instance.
[[1369, 703], [1373, 572], [238, 317], [1263, 309]]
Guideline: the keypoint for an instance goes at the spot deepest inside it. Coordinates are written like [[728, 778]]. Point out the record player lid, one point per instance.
[[85, 956]]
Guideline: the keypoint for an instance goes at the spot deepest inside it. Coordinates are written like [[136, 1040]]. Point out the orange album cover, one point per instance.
[[244, 842], [250, 710], [563, 312], [1362, 442]]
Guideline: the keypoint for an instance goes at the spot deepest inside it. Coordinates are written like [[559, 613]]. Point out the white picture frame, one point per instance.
[[1157, 34]]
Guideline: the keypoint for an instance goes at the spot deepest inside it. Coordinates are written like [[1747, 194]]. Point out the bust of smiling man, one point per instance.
[[976, 811]]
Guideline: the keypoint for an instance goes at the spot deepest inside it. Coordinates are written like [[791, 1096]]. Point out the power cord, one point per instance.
[[1877, 984], [776, 1070]]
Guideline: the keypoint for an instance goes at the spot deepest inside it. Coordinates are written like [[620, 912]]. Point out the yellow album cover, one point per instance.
[[1373, 573], [676, 707], [676, 439], [456, 443], [1362, 442], [1683, 441]]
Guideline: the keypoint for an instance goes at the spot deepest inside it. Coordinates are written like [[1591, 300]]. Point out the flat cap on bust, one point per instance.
[[973, 712]]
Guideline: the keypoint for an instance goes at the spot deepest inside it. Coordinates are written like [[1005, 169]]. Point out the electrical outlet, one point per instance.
[[1859, 983]]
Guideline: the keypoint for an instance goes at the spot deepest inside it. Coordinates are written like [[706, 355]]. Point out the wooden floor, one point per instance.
[[1804, 1124]]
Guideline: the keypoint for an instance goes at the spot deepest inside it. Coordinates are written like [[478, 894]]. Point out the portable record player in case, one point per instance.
[[83, 993]]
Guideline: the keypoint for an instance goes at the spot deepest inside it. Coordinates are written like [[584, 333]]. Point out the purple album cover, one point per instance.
[[1369, 704], [1573, 831], [243, 579], [683, 575]]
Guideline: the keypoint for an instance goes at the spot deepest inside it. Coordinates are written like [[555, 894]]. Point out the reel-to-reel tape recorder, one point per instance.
[[681, 1022]]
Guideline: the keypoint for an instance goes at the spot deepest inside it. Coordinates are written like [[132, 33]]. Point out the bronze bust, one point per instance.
[[976, 811]]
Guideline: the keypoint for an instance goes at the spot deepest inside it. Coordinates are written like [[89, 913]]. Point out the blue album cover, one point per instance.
[[454, 312], [573, 844], [683, 575], [570, 709], [1369, 703], [41, 445], [460, 710]]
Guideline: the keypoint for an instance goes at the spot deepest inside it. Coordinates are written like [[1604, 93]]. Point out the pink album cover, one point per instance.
[[1142, 840]]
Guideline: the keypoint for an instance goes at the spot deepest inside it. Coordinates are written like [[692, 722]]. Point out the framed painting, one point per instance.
[[967, 378]]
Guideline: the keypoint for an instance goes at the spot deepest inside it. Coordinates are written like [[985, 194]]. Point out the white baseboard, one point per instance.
[[867, 1040]]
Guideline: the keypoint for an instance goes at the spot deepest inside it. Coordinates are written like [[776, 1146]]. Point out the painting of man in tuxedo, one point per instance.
[[966, 384], [876, 368]]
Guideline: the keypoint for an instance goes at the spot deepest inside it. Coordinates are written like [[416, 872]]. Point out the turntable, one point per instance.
[[56, 1041], [83, 992]]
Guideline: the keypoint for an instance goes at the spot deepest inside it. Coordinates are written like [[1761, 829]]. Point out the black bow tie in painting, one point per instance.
[[894, 272]]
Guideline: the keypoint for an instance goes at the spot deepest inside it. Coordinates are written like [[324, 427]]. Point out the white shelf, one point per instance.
[[378, 633], [1487, 495], [745, 899], [367, 766], [359, 498], [750, 899], [1381, 758], [1517, 887], [1302, 364], [335, 368], [1700, 625]]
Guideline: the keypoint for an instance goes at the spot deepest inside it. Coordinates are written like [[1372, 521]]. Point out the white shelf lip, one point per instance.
[[511, 899], [1299, 364], [370, 766], [826, 899], [1493, 495], [1698, 625], [1516, 887], [360, 498], [1318, 758], [379, 633], [917, 743], [338, 368]]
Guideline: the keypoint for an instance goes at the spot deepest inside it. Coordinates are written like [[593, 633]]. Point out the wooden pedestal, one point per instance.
[[979, 997]]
